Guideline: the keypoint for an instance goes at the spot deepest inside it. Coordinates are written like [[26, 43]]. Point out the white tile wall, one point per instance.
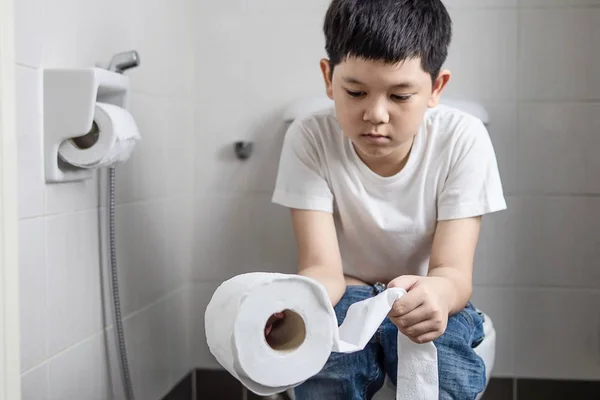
[[81, 372], [29, 143], [73, 275], [246, 235], [180, 241], [148, 339], [144, 176], [141, 238], [115, 382], [239, 105], [34, 384], [554, 153], [29, 28], [221, 232], [179, 308], [557, 334], [554, 3], [163, 35], [76, 33], [494, 265], [201, 294], [72, 196], [480, 3], [33, 291], [499, 304], [557, 243], [557, 54], [288, 7], [66, 353], [273, 247], [504, 132], [224, 7], [180, 154], [482, 54]]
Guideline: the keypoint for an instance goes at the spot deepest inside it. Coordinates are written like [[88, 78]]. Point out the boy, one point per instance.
[[387, 190]]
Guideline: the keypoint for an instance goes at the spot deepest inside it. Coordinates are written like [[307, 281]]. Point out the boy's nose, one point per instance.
[[377, 113]]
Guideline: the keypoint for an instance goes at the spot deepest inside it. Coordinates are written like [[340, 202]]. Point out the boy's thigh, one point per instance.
[[461, 372], [353, 376]]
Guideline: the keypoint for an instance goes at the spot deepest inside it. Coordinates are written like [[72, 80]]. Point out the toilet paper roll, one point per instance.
[[240, 307], [112, 138]]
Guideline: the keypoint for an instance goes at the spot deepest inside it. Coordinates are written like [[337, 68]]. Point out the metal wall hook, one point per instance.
[[243, 149]]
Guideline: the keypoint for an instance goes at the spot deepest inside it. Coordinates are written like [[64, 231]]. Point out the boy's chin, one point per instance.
[[373, 151]]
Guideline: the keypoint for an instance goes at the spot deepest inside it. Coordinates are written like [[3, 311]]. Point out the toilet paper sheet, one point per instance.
[[240, 307]]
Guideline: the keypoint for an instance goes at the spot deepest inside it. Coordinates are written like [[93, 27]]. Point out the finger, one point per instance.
[[414, 317], [421, 329], [275, 317], [272, 319], [428, 337], [407, 303], [405, 282]]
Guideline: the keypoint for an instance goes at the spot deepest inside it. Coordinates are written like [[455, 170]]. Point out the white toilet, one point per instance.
[[487, 348]]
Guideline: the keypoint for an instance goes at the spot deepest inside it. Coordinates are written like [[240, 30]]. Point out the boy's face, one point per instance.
[[379, 106]]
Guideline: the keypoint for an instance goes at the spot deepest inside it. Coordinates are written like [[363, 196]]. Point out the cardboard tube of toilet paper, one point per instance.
[[240, 307]]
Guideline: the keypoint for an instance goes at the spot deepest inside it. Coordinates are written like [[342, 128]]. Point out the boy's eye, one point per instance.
[[404, 97], [355, 94]]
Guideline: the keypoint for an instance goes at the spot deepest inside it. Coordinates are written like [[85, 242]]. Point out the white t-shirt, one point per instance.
[[385, 225]]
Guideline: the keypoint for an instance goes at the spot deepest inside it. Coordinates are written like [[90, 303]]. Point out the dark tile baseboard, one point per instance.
[[183, 390], [219, 384]]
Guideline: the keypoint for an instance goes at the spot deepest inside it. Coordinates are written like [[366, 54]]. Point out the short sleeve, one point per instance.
[[473, 186], [301, 182]]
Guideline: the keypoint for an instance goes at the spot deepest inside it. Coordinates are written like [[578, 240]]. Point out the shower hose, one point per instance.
[[118, 320]]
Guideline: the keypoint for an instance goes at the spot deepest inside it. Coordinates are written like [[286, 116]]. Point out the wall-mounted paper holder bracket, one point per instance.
[[69, 102]]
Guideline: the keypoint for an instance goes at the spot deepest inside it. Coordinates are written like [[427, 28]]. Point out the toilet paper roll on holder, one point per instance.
[[69, 103]]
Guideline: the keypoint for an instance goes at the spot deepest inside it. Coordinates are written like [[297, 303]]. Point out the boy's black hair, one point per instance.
[[389, 30]]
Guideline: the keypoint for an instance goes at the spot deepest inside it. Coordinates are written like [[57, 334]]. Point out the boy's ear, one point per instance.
[[327, 77], [438, 87]]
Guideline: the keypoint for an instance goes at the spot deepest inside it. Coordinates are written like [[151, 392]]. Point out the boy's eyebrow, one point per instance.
[[401, 85]]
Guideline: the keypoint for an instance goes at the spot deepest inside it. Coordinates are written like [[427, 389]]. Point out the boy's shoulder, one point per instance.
[[446, 120], [317, 122], [317, 130]]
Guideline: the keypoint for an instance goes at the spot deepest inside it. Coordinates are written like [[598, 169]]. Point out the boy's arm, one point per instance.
[[318, 250], [422, 314], [452, 258]]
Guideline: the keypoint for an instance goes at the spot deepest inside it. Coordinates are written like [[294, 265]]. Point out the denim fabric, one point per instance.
[[358, 376]]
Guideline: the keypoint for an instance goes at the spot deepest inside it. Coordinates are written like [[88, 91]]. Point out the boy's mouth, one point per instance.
[[375, 137]]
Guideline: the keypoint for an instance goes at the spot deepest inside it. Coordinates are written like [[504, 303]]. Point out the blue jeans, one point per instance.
[[358, 376]]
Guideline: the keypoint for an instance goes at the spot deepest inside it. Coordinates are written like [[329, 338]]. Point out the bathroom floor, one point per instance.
[[220, 385]]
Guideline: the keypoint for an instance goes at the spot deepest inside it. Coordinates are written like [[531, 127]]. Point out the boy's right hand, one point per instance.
[[274, 320]]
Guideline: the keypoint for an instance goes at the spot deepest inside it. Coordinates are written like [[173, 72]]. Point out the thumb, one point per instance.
[[405, 282]]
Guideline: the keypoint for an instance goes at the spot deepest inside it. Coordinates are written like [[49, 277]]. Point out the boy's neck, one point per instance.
[[391, 164]]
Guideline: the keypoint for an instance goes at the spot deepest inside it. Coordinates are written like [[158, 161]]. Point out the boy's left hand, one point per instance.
[[422, 313]]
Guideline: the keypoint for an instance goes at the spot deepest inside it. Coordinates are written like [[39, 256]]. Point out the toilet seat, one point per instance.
[[487, 348]]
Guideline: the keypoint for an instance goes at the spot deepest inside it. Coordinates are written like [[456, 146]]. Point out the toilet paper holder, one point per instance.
[[69, 102]]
